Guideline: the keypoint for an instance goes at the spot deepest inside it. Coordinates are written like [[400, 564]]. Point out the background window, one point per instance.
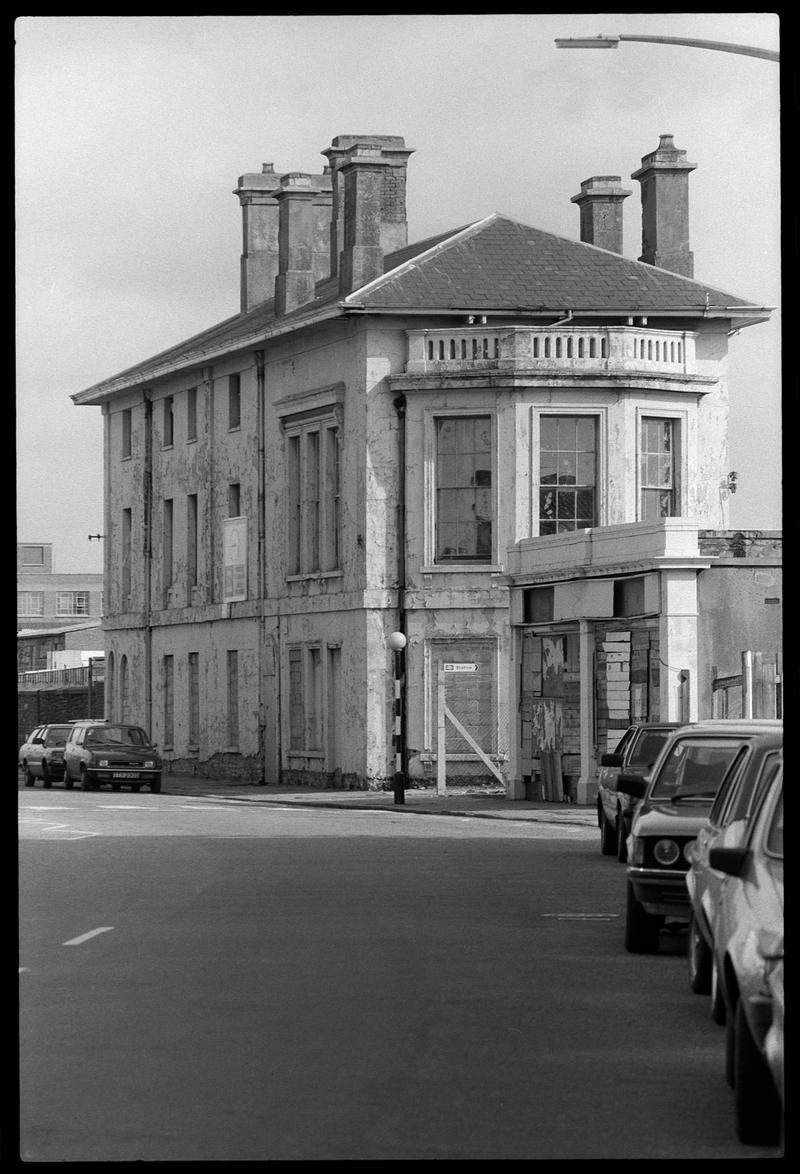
[[30, 603], [657, 468], [234, 500], [234, 401], [567, 473], [464, 489], [33, 556], [126, 432], [72, 603]]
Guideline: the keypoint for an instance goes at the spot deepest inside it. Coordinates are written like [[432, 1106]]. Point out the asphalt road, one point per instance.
[[202, 980]]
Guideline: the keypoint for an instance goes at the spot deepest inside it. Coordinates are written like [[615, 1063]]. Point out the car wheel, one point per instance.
[[115, 787], [68, 780], [29, 779], [717, 997], [136, 788], [86, 782], [47, 781], [699, 956], [641, 927], [756, 1101], [622, 839], [155, 785], [608, 836]]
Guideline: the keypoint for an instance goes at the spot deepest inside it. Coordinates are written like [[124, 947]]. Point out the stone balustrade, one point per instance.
[[553, 348]]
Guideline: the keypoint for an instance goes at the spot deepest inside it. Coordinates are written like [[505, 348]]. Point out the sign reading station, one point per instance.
[[460, 668]]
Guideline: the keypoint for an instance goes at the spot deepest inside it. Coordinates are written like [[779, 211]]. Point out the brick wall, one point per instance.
[[60, 704]]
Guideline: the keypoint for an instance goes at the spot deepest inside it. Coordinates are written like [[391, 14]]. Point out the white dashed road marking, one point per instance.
[[582, 916], [84, 937]]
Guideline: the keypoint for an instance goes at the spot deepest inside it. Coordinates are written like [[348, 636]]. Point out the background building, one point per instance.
[[47, 599], [497, 441]]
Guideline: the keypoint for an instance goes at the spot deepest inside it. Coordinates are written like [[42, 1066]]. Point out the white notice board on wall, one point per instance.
[[234, 556]]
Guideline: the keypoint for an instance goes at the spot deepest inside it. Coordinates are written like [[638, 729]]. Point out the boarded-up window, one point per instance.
[[168, 684], [233, 699], [471, 696], [194, 698], [296, 707]]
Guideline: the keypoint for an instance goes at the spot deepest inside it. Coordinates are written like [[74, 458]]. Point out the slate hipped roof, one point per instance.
[[497, 265]]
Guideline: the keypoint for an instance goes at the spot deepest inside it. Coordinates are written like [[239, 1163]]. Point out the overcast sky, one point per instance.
[[132, 132]]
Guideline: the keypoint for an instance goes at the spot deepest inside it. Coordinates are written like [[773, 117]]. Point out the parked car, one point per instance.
[[727, 825], [676, 799], [636, 752], [100, 752], [747, 967], [41, 756]]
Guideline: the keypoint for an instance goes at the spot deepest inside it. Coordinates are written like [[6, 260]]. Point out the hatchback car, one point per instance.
[[676, 799], [747, 966], [636, 752], [726, 826], [41, 756], [97, 753]]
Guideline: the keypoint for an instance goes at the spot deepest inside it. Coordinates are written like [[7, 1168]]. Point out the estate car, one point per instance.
[[41, 756], [100, 752]]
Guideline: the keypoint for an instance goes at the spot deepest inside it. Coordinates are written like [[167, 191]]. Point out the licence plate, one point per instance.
[[125, 774]]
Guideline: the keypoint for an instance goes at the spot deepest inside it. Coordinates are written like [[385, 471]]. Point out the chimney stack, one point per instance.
[[600, 203], [392, 153], [295, 281], [259, 262], [258, 197], [664, 176]]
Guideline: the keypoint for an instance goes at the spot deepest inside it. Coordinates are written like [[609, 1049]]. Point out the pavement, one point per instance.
[[457, 801]]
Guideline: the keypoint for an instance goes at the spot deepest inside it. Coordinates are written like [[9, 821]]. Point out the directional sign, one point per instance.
[[460, 668]]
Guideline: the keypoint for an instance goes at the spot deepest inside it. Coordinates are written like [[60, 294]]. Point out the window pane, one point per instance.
[[566, 468], [548, 433]]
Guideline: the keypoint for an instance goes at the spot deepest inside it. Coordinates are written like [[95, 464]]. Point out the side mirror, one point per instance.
[[731, 861], [631, 784], [611, 760]]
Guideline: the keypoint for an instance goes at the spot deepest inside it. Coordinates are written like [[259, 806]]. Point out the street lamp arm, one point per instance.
[[722, 46], [610, 41]]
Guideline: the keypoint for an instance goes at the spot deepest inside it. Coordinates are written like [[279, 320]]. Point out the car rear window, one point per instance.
[[57, 735], [696, 767], [648, 748]]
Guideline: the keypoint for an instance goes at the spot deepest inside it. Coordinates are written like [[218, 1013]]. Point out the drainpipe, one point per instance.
[[400, 654], [148, 560], [260, 390]]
